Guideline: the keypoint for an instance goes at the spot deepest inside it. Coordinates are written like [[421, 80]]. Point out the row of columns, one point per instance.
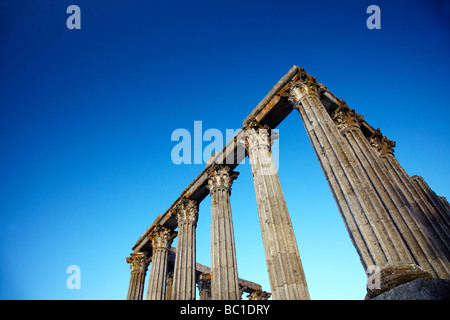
[[388, 220], [286, 275], [396, 222], [139, 263]]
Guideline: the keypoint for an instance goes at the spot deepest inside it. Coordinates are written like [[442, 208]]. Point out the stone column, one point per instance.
[[186, 213], [415, 197], [204, 286], [340, 171], [224, 278], [373, 233], [432, 232], [406, 228], [446, 204], [139, 262], [161, 238], [442, 214], [286, 275]]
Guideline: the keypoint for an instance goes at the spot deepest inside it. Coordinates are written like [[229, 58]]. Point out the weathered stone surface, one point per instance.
[[380, 223], [204, 286], [387, 214], [259, 295], [404, 228], [161, 240], [431, 238], [286, 275], [442, 213], [204, 272], [184, 271], [394, 275], [139, 262], [224, 277], [418, 289], [355, 199]]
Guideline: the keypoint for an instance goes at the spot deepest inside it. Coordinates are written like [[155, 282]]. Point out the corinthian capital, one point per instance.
[[204, 281], [161, 237], [138, 262], [258, 135], [304, 85], [344, 117], [186, 211], [381, 144], [221, 176]]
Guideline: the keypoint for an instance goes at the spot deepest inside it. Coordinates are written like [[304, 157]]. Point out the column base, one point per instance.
[[396, 275]]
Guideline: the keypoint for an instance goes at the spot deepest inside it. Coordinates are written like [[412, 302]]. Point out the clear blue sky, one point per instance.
[[87, 116]]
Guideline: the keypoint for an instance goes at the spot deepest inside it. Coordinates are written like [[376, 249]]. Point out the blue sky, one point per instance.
[[87, 117]]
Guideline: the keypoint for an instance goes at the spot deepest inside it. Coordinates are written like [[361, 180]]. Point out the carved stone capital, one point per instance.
[[186, 211], [139, 262], [304, 85], [204, 281], [204, 286], [259, 295], [381, 144], [258, 135], [221, 176], [161, 237], [345, 118]]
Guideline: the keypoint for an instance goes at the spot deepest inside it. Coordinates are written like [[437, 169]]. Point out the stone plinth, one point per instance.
[[418, 289], [394, 275]]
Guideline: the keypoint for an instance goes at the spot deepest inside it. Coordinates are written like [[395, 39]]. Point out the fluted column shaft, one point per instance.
[[138, 264], [286, 274], [224, 278], [426, 212], [169, 285], [446, 204], [410, 234], [375, 236], [341, 172], [432, 234], [184, 271], [442, 214], [161, 238]]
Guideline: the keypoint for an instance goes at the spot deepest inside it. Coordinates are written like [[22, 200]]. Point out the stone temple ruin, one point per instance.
[[398, 225]]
